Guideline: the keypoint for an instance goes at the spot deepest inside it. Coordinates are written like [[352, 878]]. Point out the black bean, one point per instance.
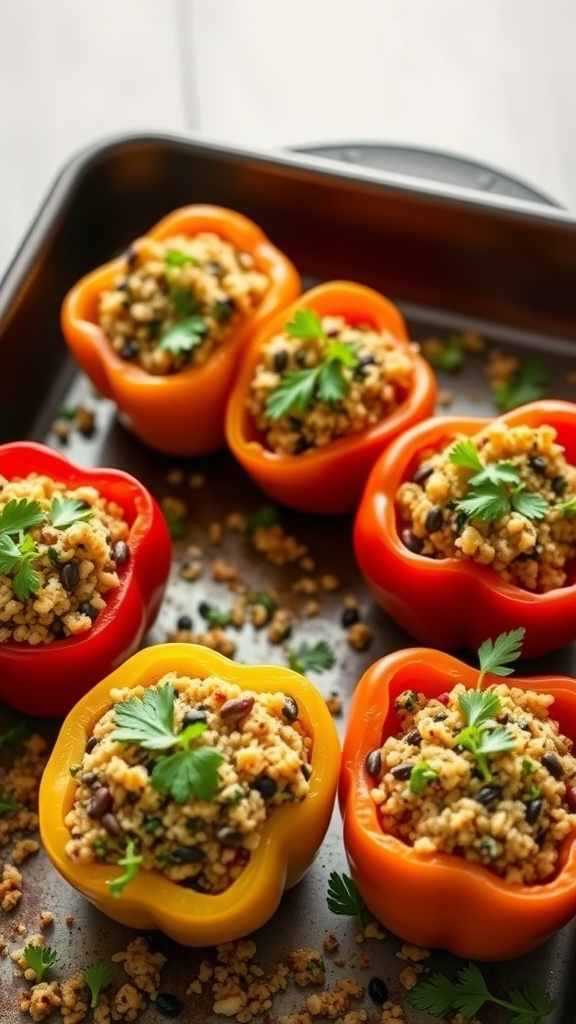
[[306, 770], [100, 803], [559, 485], [265, 786], [534, 809], [410, 541], [488, 795], [553, 765], [422, 473], [402, 771], [373, 763], [168, 1005], [229, 836], [184, 622], [194, 715], [413, 738], [290, 710], [235, 709], [434, 519], [302, 445], [378, 991], [70, 576], [571, 798], [90, 744], [130, 350], [440, 717], [538, 463], [349, 617], [280, 360], [112, 825], [89, 778], [87, 609], [194, 883], [212, 267], [189, 854], [300, 357], [223, 309], [121, 552]]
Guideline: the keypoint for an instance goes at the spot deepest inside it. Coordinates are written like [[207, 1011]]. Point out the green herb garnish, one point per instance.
[[7, 803], [97, 976], [315, 658], [40, 958], [177, 258], [528, 384], [15, 735], [185, 335], [213, 615], [324, 382], [343, 898], [149, 722], [494, 489], [16, 558], [449, 356], [438, 995], [183, 300], [481, 736], [131, 861], [64, 512], [263, 517], [420, 777]]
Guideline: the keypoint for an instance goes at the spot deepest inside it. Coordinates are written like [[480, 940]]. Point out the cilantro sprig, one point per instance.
[[494, 489], [149, 723], [131, 861], [481, 736], [18, 549], [528, 384], [315, 658], [343, 898], [40, 959], [185, 335], [526, 1004], [325, 381], [97, 976]]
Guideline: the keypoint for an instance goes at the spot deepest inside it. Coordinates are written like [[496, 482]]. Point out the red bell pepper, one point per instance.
[[453, 603], [48, 679]]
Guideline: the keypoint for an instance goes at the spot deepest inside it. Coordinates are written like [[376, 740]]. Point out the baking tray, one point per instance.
[[452, 258]]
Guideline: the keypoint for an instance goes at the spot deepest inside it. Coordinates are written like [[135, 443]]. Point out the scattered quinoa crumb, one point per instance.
[[197, 481], [41, 1000], [175, 476], [408, 951], [329, 582], [334, 704], [45, 918], [141, 965], [311, 609], [216, 533], [24, 848], [392, 1013], [409, 975], [331, 943], [359, 636]]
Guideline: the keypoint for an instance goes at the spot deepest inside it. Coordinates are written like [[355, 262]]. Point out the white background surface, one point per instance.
[[493, 80]]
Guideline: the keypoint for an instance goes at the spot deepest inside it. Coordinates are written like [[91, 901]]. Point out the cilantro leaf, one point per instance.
[[9, 554], [528, 384], [7, 803], [435, 995], [487, 504], [567, 508], [494, 489], [449, 356], [66, 511], [213, 615], [420, 777], [131, 861], [188, 773], [147, 720], [314, 658], [494, 657], [438, 995], [183, 300], [177, 258], [16, 734], [343, 898], [294, 393], [465, 454], [40, 958], [482, 742], [332, 386], [20, 514], [532, 506], [266, 515], [305, 326], [96, 976], [478, 707], [185, 335]]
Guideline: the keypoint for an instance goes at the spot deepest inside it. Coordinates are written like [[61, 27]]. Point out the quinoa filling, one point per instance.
[[202, 841], [430, 793], [505, 498], [176, 300], [324, 378], [60, 551]]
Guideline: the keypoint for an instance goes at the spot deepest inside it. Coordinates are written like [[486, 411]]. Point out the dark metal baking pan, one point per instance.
[[452, 258]]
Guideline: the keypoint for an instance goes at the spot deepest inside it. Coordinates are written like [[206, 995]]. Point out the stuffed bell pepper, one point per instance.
[[458, 796], [186, 792], [84, 561], [160, 329], [322, 390], [468, 525]]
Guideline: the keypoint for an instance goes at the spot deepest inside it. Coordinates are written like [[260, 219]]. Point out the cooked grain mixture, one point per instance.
[[176, 300], [431, 794], [202, 842], [60, 549], [515, 510], [344, 379]]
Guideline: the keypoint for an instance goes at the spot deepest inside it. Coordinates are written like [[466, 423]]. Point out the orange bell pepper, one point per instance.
[[327, 479], [454, 602], [440, 899], [182, 413], [291, 835]]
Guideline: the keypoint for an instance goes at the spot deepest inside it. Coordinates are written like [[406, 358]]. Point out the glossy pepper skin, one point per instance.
[[327, 479], [455, 603], [441, 900], [182, 413], [291, 837], [48, 679]]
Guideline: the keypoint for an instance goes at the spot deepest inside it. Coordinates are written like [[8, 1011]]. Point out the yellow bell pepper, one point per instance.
[[291, 836]]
